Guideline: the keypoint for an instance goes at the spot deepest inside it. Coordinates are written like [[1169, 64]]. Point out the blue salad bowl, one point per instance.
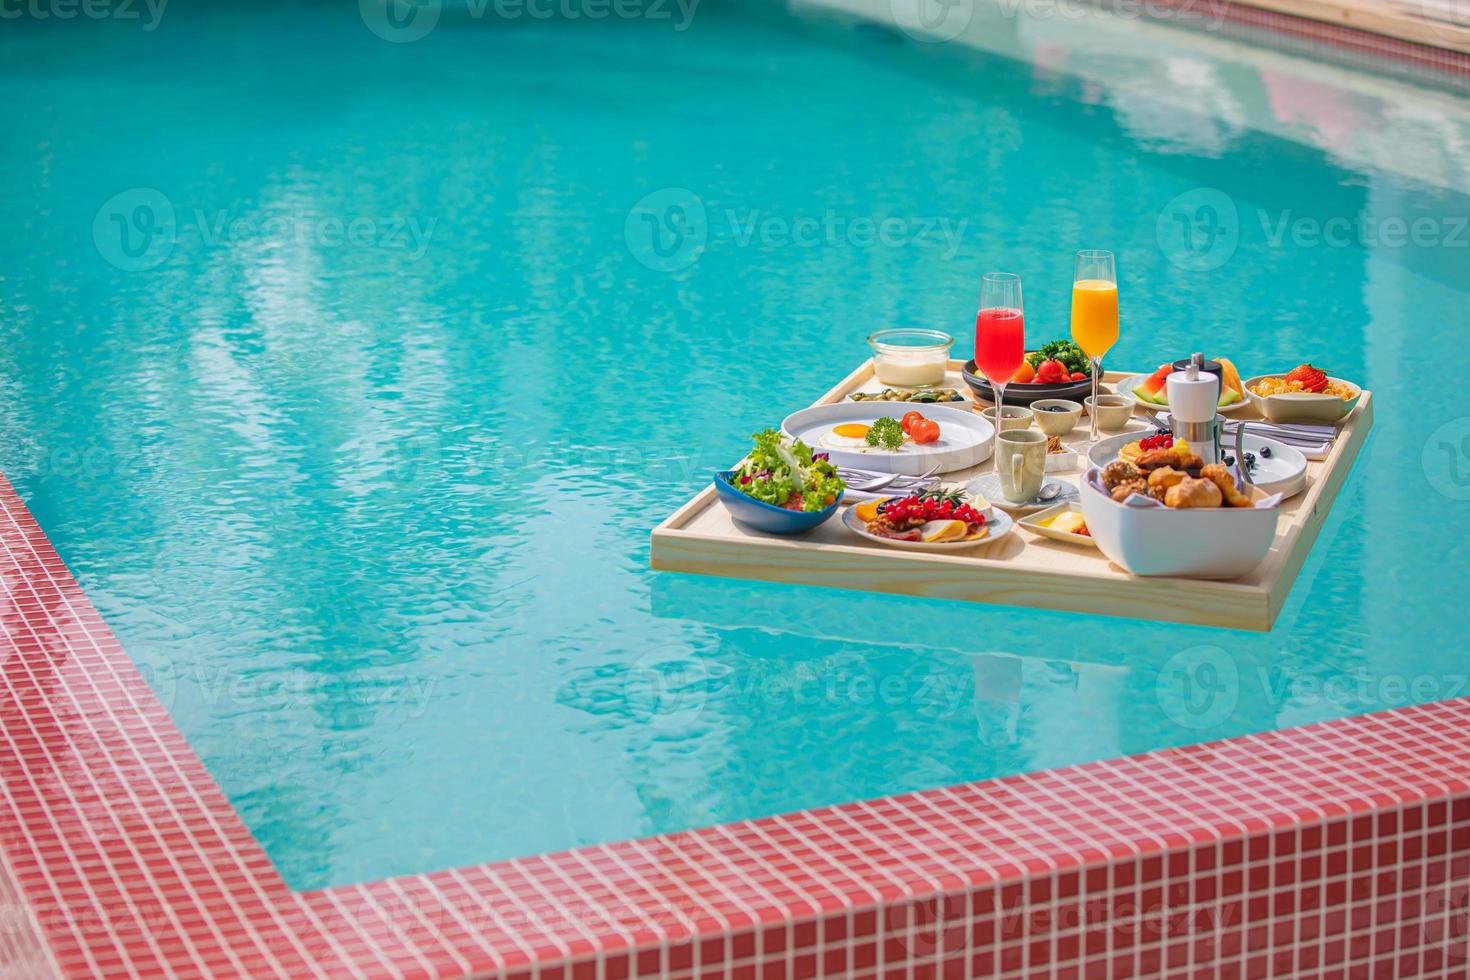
[[768, 517]]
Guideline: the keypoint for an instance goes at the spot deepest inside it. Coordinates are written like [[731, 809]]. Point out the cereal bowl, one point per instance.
[[1301, 406]]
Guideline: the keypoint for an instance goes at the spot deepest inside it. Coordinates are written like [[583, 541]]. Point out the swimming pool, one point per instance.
[[358, 454]]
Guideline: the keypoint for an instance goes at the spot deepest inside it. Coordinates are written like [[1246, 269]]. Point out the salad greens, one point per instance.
[[1061, 350], [784, 472], [887, 431]]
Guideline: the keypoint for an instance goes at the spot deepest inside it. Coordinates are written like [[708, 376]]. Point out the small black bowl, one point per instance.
[[1019, 394]]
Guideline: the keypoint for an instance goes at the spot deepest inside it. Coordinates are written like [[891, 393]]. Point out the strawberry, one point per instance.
[[1310, 378]]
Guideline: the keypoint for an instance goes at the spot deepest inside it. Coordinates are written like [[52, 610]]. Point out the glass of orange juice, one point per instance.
[[1095, 313]]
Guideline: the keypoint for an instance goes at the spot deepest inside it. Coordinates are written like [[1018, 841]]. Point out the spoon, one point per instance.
[[1049, 491]]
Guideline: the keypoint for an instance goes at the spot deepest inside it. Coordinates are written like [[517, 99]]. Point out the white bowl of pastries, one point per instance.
[[1163, 520]]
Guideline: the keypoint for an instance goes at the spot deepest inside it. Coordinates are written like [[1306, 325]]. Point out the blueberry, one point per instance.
[[1265, 452], [1229, 460]]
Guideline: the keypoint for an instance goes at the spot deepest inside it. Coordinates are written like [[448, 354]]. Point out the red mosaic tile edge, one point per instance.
[[1343, 846], [1323, 34]]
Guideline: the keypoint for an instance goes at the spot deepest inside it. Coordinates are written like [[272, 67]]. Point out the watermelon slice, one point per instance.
[[1155, 389], [1152, 389]]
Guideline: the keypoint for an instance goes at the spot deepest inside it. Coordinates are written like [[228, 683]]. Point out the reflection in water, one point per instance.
[[371, 508]]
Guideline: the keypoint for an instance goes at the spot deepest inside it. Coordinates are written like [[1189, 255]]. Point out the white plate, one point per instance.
[[964, 437], [1285, 472], [1127, 385], [999, 523], [1033, 523]]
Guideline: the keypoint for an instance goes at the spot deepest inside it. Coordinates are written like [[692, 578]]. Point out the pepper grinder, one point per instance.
[[1194, 395]]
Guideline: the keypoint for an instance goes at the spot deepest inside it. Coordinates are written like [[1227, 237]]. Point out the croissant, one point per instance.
[[1155, 458], [1221, 477], [1190, 492]]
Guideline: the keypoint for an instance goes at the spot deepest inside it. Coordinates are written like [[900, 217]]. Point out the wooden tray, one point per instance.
[[1020, 569]]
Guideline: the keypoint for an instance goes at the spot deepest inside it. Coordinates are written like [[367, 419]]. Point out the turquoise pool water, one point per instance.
[[359, 452]]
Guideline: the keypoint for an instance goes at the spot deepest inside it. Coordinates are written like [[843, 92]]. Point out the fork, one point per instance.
[[880, 481]]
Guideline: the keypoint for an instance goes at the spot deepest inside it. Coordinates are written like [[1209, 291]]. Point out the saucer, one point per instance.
[[988, 486]]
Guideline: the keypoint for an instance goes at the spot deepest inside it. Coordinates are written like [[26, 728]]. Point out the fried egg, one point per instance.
[[854, 436], [848, 435]]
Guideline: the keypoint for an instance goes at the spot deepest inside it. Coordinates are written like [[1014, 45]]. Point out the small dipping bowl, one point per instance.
[[910, 358], [1113, 411], [1016, 417], [1056, 416]]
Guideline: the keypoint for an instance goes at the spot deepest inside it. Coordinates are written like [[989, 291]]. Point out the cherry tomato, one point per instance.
[[908, 420], [1051, 372], [1078, 376], [924, 431]]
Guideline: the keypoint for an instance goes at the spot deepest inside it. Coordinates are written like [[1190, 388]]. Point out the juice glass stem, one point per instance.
[[1000, 396], [1096, 381]]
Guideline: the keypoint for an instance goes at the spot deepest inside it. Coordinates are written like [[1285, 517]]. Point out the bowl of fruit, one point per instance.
[[1303, 394], [1058, 370]]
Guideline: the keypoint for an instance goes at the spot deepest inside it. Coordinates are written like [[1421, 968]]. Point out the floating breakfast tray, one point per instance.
[[1019, 569]]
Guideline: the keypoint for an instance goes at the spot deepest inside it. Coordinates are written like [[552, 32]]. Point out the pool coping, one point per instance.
[[1344, 844]]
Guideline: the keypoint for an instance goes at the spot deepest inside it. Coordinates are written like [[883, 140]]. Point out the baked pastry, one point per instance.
[[1128, 488], [1165, 477], [1220, 477], [1154, 458], [1191, 492], [1119, 471]]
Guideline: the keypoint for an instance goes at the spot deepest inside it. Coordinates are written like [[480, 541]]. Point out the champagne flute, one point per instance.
[[1095, 314], [1000, 337]]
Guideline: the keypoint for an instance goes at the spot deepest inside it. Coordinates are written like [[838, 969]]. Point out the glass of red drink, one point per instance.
[[1000, 335]]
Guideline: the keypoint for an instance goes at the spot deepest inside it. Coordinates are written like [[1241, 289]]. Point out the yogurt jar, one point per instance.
[[910, 358]]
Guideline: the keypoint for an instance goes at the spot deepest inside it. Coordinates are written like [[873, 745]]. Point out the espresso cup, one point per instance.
[[1020, 463]]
